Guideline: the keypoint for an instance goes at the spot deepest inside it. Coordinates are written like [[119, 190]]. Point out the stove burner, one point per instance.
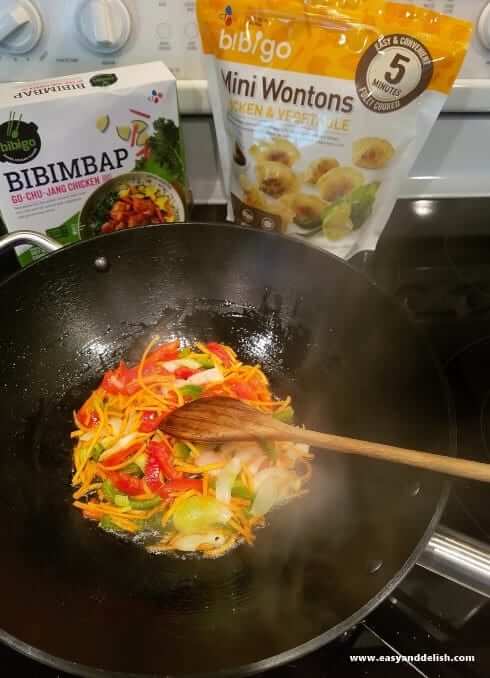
[[435, 258]]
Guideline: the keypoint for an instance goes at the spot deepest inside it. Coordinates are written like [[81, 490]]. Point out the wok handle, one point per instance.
[[459, 558], [451, 466], [11, 240]]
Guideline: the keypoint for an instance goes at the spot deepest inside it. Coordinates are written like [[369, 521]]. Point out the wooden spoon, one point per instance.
[[217, 420]]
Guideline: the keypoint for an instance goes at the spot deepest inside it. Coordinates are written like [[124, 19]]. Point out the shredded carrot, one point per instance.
[[189, 468], [238, 501], [247, 477]]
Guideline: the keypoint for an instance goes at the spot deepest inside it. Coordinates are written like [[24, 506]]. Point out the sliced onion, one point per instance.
[[172, 365], [293, 451], [255, 465], [272, 487], [248, 453], [121, 444], [190, 542], [87, 436], [225, 479], [212, 376], [245, 451], [271, 473]]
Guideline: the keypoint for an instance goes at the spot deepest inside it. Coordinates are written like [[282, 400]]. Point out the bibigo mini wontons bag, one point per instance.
[[322, 107]]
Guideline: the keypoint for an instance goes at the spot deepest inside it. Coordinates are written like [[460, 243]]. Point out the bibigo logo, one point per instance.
[[246, 43], [19, 140]]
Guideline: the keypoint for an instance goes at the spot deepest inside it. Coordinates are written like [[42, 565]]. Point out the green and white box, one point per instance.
[[91, 153]]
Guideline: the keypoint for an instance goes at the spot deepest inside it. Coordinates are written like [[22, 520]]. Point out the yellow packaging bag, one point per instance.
[[322, 107]]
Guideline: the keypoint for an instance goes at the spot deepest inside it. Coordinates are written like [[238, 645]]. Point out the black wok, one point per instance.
[[79, 599]]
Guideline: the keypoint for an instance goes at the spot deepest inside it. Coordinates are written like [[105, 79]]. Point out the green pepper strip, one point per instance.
[[144, 504]]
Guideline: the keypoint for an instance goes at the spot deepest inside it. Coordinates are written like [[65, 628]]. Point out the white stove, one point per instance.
[[44, 38]]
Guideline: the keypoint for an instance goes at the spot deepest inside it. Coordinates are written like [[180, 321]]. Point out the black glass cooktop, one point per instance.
[[434, 256]]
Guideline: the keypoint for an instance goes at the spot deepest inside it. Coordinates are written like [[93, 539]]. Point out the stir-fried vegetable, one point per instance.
[[133, 479]]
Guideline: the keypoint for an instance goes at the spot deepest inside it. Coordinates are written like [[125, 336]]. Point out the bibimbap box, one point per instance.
[[91, 153]]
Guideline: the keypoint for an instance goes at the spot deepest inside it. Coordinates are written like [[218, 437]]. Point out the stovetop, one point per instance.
[[434, 256]]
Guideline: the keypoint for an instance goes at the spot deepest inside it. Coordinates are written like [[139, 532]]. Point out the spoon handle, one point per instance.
[[462, 468]]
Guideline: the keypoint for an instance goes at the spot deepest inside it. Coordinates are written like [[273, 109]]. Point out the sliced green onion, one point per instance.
[[122, 500]]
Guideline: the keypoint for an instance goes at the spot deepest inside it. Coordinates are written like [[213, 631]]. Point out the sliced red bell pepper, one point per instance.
[[165, 352], [220, 352], [127, 484], [114, 381], [87, 418], [162, 453], [184, 372], [156, 485], [150, 421], [149, 369], [124, 379], [122, 455], [184, 484], [121, 380], [152, 477]]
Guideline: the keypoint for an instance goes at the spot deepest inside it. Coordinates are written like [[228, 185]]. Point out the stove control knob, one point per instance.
[[483, 27], [21, 27], [104, 26]]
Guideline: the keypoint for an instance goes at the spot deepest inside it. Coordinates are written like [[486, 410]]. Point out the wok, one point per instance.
[[83, 601]]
